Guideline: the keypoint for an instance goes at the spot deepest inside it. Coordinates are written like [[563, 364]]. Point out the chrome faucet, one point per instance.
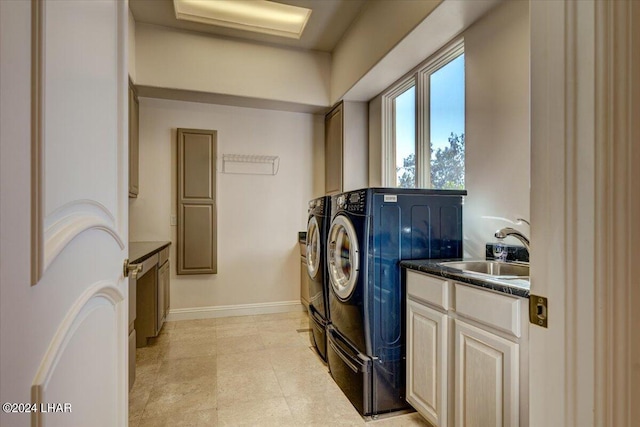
[[508, 231]]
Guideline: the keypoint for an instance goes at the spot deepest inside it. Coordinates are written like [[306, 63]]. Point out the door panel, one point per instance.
[[78, 351], [427, 364], [65, 337], [487, 381], [333, 151], [197, 217]]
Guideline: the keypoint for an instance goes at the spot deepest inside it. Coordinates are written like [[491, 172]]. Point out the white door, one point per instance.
[[585, 204], [487, 381], [427, 362], [64, 298]]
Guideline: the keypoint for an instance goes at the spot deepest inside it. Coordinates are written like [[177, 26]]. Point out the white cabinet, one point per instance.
[[427, 363], [466, 354], [487, 380]]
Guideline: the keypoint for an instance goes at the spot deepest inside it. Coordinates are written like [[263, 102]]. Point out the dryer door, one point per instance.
[[313, 248], [343, 257]]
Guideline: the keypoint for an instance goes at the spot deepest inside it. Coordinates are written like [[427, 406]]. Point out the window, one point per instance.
[[423, 125], [404, 114]]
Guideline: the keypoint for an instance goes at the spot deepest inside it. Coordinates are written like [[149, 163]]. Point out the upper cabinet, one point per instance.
[[134, 114], [346, 147], [197, 215]]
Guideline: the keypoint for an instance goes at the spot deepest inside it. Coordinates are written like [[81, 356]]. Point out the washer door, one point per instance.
[[313, 247], [343, 257]]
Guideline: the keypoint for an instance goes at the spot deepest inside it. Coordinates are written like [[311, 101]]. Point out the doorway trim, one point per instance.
[[585, 69]]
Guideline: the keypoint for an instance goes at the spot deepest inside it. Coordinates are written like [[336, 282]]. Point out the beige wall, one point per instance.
[[176, 59], [259, 216], [497, 124], [131, 41], [377, 30]]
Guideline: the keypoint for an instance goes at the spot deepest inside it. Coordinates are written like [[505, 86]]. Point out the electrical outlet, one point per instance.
[[173, 220]]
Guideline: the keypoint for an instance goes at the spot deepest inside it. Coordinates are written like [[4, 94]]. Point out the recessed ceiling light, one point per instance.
[[260, 16]]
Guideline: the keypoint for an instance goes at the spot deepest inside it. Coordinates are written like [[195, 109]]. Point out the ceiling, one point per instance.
[[328, 22]]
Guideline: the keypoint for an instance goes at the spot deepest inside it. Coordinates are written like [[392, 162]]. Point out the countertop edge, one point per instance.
[[139, 251], [433, 267]]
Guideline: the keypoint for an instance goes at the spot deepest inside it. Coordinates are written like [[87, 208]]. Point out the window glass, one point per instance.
[[446, 130], [423, 133], [405, 138]]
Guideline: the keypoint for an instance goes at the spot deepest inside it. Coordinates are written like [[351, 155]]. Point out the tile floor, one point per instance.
[[241, 371]]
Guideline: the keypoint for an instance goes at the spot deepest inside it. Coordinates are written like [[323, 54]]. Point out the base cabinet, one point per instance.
[[132, 358], [466, 354], [487, 381], [163, 294], [152, 297], [427, 362]]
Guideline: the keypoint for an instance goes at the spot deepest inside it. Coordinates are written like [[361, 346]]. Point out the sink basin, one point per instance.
[[491, 268]]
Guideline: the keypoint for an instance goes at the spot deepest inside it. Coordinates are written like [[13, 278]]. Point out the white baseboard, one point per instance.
[[234, 310]]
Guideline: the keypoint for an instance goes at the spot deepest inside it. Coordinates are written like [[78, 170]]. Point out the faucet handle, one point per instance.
[[523, 220]]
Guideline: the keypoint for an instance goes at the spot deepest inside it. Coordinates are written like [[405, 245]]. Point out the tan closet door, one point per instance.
[[197, 248]]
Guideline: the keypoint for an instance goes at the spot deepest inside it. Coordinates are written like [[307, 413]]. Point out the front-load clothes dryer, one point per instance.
[[317, 228], [371, 231]]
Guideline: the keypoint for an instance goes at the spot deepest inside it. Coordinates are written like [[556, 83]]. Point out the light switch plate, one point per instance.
[[173, 220]]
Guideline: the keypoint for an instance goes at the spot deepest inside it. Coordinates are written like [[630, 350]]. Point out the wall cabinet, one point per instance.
[[197, 249], [466, 354], [346, 147], [134, 158]]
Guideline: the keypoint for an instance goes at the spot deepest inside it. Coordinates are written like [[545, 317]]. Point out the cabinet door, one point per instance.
[[167, 291], [427, 379], [197, 249], [163, 284], [487, 379], [333, 155], [134, 109]]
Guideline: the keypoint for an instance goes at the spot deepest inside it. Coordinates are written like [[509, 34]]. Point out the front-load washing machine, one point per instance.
[[371, 231], [317, 228]]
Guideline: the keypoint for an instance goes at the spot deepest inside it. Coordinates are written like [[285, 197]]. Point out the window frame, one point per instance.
[[420, 78]]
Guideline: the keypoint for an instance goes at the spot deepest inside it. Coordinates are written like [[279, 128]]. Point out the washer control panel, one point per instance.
[[316, 205]]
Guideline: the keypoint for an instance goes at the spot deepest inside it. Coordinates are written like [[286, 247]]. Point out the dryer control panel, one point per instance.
[[353, 202]]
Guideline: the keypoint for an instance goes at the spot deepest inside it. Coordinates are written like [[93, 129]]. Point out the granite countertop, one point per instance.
[[139, 251], [516, 287]]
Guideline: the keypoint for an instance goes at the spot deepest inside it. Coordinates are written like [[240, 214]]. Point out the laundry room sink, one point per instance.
[[491, 268]]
